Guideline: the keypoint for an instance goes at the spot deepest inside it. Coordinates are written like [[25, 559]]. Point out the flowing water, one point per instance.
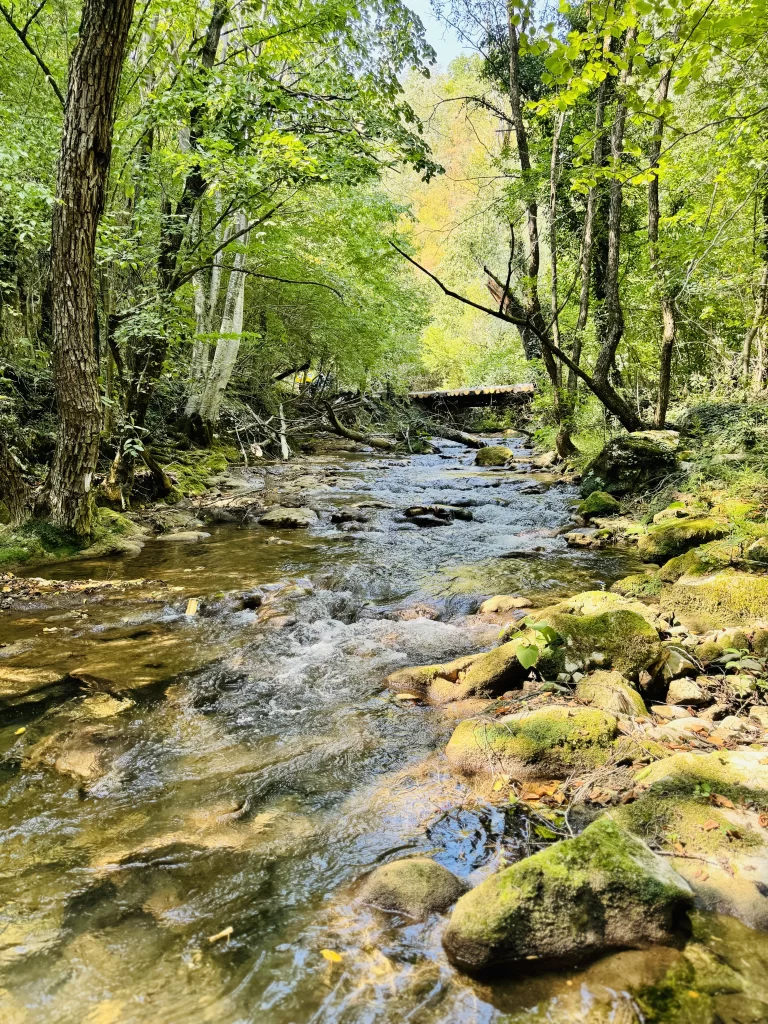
[[250, 767]]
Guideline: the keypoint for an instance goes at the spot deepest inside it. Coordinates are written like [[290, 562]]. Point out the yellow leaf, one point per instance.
[[18, 732], [693, 995], [497, 785], [331, 955], [192, 604], [406, 696]]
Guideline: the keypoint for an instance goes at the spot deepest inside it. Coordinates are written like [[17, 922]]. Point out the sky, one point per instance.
[[443, 39]]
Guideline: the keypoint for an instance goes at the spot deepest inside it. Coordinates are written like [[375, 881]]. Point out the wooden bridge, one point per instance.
[[468, 398]]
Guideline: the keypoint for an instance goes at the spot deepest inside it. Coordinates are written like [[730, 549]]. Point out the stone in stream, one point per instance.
[[493, 455], [546, 743], [444, 512], [598, 503], [503, 603], [415, 887], [573, 901], [184, 537], [288, 518]]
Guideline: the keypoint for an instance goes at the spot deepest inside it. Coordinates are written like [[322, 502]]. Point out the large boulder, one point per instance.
[[494, 455], [547, 743], [575, 900], [727, 598], [630, 463], [288, 518], [414, 887], [610, 691], [676, 536]]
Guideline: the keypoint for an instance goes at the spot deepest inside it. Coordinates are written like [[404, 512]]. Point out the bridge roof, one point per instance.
[[491, 389]]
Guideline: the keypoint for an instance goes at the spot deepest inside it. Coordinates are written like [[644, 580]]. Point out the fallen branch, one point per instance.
[[354, 435]]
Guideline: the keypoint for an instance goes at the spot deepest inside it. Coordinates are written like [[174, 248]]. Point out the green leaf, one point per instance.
[[527, 655]]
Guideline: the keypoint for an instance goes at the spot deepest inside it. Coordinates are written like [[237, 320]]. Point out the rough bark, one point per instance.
[[15, 492], [84, 156]]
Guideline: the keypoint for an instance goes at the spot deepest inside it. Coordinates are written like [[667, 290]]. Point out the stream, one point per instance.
[[184, 849]]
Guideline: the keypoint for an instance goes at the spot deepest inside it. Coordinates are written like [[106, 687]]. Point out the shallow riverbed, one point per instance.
[[250, 768]]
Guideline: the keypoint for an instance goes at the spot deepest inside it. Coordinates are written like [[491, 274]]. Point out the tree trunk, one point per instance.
[[761, 302], [588, 236], [531, 303], [14, 489], [94, 75]]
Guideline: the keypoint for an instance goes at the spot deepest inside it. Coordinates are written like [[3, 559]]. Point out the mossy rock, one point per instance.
[[638, 585], [718, 979], [489, 674], [414, 887], [630, 463], [577, 899], [727, 598], [546, 743], [610, 691], [701, 560], [39, 541], [620, 639], [599, 503], [595, 602], [676, 536], [493, 455]]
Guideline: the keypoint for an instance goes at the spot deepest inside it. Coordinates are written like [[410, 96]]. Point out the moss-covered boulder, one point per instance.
[[596, 602], [493, 455], [621, 639], [598, 503], [676, 536], [546, 743], [288, 518], [576, 900], [610, 691], [638, 585], [726, 598], [630, 463], [414, 887], [489, 674]]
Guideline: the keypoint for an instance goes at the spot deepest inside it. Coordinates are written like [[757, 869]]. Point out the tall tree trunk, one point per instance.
[[94, 74], [667, 294], [530, 284], [761, 301], [588, 235], [15, 492]]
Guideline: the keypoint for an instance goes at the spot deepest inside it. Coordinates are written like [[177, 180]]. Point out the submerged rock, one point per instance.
[[630, 463], [288, 518], [610, 691], [494, 455], [503, 603], [603, 890], [547, 743], [415, 887]]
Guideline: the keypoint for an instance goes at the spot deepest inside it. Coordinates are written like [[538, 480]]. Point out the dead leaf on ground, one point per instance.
[[711, 824], [721, 801]]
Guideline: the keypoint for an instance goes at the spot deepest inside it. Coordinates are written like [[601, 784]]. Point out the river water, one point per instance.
[[255, 768]]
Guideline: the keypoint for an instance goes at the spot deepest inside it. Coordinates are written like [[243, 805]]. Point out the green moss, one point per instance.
[[493, 455], [672, 813], [620, 639], [676, 536], [631, 462], [727, 598], [194, 469], [545, 743], [641, 584], [599, 503], [702, 560], [603, 889], [40, 541]]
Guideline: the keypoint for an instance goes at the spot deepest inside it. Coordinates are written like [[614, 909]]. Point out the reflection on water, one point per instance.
[[242, 768]]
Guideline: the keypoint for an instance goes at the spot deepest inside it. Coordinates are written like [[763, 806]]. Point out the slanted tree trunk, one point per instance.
[[94, 74]]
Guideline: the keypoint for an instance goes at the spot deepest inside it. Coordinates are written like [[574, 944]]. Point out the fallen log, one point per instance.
[[355, 435], [452, 434]]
